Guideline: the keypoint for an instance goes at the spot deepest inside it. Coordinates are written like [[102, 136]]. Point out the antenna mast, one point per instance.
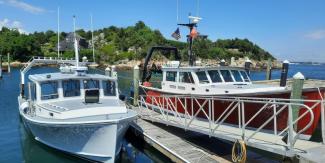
[[75, 42], [58, 32], [92, 37]]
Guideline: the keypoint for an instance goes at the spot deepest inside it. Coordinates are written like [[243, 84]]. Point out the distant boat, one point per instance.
[[73, 111]]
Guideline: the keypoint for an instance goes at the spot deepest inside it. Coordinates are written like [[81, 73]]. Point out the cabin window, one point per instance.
[[203, 79], [71, 88], [171, 76], [245, 76], [49, 90], [226, 76], [237, 76], [91, 84], [215, 76], [185, 77], [109, 88]]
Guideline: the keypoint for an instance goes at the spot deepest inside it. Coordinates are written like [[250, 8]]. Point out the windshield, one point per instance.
[[215, 76], [91, 84], [49, 90], [71, 88], [245, 76], [109, 88], [202, 77], [226, 76], [237, 76], [171, 76]]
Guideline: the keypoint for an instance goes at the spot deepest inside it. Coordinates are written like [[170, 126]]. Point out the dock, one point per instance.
[[174, 147]]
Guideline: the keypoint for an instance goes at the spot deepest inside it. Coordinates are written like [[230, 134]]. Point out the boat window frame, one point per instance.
[[232, 74], [206, 75], [114, 84], [176, 76], [190, 75], [249, 79], [220, 76], [56, 95], [233, 80], [63, 90]]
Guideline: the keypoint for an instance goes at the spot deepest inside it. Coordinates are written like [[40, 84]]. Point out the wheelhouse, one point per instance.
[[205, 76], [58, 86]]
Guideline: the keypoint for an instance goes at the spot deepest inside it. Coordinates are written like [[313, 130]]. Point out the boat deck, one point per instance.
[[74, 104], [311, 151]]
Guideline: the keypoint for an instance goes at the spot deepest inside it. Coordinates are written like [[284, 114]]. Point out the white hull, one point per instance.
[[99, 142]]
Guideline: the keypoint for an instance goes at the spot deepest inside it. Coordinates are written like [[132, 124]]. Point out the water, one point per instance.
[[16, 145]]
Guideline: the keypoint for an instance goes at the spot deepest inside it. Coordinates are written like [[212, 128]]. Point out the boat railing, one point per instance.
[[186, 110]]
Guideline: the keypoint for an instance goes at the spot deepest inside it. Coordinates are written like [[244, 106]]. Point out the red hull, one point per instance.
[[250, 110]]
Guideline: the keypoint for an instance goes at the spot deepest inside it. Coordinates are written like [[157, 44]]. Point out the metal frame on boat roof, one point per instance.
[[47, 61]]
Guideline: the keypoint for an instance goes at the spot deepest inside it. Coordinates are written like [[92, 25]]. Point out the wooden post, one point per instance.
[[0, 66], [136, 77], [8, 57], [296, 93], [113, 72], [247, 65], [232, 61], [269, 69]]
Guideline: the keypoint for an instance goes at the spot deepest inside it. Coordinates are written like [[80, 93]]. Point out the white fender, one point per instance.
[[24, 107]]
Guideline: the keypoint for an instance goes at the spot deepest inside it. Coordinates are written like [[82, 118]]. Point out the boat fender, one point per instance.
[[24, 107]]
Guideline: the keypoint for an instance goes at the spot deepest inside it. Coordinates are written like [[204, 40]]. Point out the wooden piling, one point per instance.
[[296, 93], [113, 72], [269, 69], [108, 71], [8, 57], [232, 61], [136, 77], [0, 66], [284, 73]]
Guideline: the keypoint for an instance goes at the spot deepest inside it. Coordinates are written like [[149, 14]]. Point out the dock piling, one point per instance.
[[8, 57], [232, 61], [269, 69], [113, 72], [0, 66], [108, 71], [136, 77], [247, 65], [222, 62], [296, 93], [284, 73]]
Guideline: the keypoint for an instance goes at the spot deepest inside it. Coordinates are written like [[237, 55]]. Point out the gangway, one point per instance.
[[163, 109]]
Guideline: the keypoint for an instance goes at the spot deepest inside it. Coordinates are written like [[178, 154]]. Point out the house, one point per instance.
[[68, 43]]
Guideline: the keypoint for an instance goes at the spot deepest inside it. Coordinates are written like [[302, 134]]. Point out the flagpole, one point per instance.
[[177, 17]]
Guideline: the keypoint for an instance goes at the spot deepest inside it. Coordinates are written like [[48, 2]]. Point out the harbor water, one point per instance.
[[17, 145]]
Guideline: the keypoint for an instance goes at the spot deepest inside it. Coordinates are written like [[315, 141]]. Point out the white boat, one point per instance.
[[75, 112]]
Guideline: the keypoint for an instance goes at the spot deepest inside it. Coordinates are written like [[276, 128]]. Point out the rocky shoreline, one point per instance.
[[128, 65]]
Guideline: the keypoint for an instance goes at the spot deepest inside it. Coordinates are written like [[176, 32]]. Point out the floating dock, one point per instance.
[[171, 145]]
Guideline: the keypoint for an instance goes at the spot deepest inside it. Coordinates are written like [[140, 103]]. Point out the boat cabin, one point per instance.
[[60, 86], [220, 80]]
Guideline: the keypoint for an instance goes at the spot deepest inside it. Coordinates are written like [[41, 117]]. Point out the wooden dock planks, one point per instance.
[[174, 147]]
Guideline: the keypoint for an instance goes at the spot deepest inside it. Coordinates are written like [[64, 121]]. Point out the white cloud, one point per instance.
[[316, 35], [23, 5], [12, 25]]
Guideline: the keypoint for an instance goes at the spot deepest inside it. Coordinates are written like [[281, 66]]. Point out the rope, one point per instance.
[[239, 151]]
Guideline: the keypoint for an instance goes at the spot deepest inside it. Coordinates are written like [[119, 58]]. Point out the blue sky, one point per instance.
[[289, 29]]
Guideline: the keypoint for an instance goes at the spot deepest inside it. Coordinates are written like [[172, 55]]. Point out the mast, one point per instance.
[[75, 42], [58, 32], [193, 23], [92, 37]]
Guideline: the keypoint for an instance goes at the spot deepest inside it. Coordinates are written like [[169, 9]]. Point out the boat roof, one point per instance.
[[198, 68], [66, 76]]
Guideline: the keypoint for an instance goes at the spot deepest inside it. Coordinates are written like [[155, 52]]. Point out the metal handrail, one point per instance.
[[236, 103]]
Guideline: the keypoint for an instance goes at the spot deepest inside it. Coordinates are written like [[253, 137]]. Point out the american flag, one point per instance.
[[176, 34]]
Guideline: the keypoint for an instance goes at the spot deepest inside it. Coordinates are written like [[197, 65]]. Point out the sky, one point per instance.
[[288, 29]]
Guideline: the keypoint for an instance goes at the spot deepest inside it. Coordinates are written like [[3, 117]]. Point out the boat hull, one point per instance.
[[97, 141], [154, 97]]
